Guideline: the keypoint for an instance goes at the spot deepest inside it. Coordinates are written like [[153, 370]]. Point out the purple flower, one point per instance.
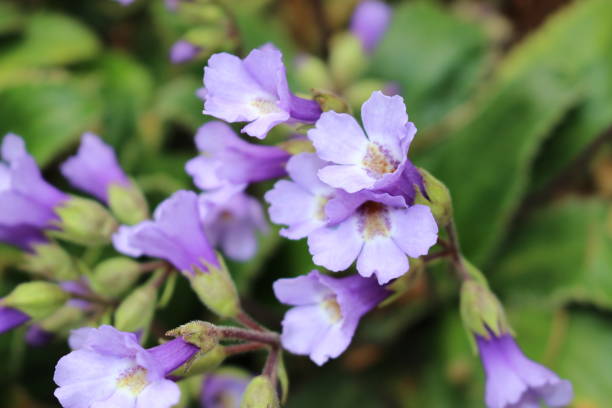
[[94, 168], [514, 381], [300, 204], [125, 2], [108, 368], [36, 336], [326, 313], [11, 318], [231, 219], [223, 390], [370, 22], [227, 159], [375, 229], [254, 90], [358, 161], [175, 234], [183, 51], [27, 202]]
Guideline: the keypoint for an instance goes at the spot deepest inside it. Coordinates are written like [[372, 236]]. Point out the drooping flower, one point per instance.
[[183, 51], [370, 21], [27, 201], [254, 90], [94, 169], [514, 381], [225, 159], [175, 234], [358, 161], [109, 368], [231, 220], [223, 390], [11, 318], [326, 313], [377, 230], [300, 203]]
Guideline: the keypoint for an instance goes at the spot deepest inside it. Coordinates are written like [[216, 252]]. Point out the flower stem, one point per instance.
[[271, 367], [455, 254], [247, 321], [243, 348], [238, 333]]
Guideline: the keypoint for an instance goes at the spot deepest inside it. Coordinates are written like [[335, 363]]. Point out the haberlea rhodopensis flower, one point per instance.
[[109, 368], [27, 202], [326, 313], [254, 90], [225, 159], [370, 22], [223, 390]]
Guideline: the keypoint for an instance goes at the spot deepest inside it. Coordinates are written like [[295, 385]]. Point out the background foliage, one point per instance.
[[513, 101]]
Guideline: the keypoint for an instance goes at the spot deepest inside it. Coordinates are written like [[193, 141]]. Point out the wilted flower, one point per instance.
[[110, 368], [514, 381], [370, 22], [326, 313], [254, 90]]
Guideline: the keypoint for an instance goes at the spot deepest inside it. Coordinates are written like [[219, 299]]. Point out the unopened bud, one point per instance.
[[128, 204], [260, 393], [347, 60], [85, 222], [36, 299], [137, 310], [311, 72], [216, 289], [201, 334], [481, 311], [51, 261], [436, 196], [328, 101], [361, 91], [115, 276]]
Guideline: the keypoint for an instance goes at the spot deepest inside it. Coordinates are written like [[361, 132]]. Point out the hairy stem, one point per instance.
[[271, 367], [455, 249], [243, 348], [238, 333], [247, 321]]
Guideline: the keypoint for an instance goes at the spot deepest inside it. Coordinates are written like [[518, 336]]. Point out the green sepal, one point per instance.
[[37, 299]]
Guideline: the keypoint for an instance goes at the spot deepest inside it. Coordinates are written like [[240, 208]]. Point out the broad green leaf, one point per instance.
[[435, 57], [49, 117], [562, 253]]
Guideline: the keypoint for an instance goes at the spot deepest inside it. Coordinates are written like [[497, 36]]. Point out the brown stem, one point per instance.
[[243, 348], [247, 321], [152, 266], [436, 255], [271, 366], [238, 333], [456, 258]]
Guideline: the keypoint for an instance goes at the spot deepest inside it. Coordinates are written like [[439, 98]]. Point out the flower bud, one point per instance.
[[137, 309], [311, 72], [51, 261], [328, 101], [201, 334], [481, 311], [115, 276], [216, 289], [436, 196], [64, 318], [260, 393], [128, 204], [85, 222], [361, 91], [37, 299], [203, 362], [347, 60]]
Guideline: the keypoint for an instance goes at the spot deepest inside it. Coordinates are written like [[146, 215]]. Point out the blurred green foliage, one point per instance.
[[519, 130]]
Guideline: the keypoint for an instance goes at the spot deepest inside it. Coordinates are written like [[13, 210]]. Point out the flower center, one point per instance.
[[226, 216], [134, 379], [332, 308], [320, 208], [264, 106], [374, 220], [378, 161]]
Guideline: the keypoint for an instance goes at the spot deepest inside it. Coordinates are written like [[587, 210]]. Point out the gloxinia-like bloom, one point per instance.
[[27, 202], [183, 51], [300, 203], [326, 313], [223, 390], [175, 234], [514, 381], [231, 220], [370, 22], [108, 368], [94, 168], [377, 230], [11, 318], [226, 159], [254, 90], [358, 161]]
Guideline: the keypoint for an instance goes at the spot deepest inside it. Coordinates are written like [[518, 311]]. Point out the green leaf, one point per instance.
[[435, 56], [562, 253], [48, 116]]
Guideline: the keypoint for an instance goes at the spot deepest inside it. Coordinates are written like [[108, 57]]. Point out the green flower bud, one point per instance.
[[260, 393], [361, 91], [203, 363], [37, 299], [481, 311], [137, 310], [347, 60], [51, 261], [438, 198], [311, 72], [328, 101], [65, 318], [216, 289], [201, 334], [115, 276], [128, 204], [85, 222]]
